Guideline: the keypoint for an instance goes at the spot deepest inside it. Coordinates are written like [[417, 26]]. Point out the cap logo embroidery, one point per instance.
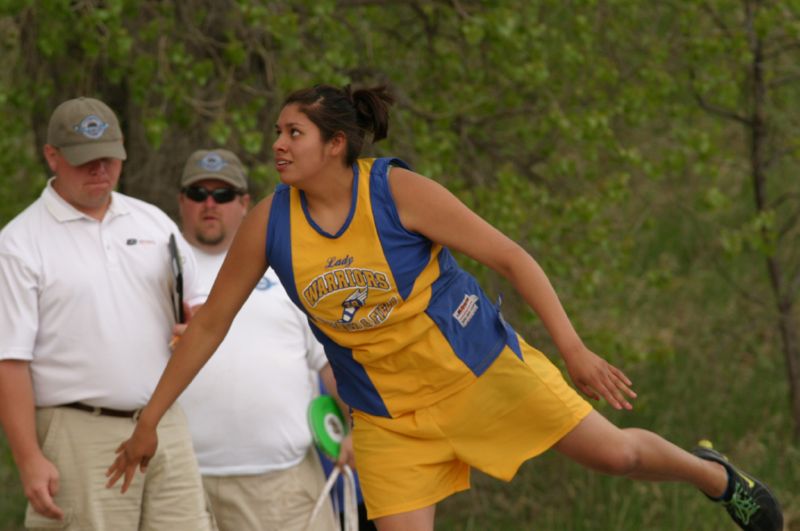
[[212, 162], [92, 127]]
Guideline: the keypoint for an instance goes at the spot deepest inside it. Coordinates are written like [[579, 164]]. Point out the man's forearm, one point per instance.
[[17, 409]]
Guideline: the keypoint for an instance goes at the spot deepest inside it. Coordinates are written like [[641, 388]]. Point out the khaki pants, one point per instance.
[[81, 446], [281, 500]]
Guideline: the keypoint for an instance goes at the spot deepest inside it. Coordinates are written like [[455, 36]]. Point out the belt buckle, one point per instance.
[[96, 411]]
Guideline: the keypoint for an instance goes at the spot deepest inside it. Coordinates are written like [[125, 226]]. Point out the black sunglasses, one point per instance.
[[198, 194]]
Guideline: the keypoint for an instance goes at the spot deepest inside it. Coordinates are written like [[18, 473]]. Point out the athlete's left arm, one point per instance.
[[244, 265], [430, 209], [346, 454]]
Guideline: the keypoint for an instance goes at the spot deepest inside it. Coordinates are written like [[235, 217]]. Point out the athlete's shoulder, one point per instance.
[[381, 165], [381, 171], [279, 198], [405, 181], [263, 208]]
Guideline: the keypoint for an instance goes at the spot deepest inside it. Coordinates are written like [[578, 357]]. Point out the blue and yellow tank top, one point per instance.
[[402, 324]]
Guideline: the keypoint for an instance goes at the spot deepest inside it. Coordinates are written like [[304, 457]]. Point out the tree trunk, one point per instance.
[[791, 351], [784, 302]]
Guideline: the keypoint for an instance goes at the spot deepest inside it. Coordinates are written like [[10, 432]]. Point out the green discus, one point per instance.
[[327, 425]]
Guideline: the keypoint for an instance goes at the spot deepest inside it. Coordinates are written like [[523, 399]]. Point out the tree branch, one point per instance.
[[713, 109], [715, 18]]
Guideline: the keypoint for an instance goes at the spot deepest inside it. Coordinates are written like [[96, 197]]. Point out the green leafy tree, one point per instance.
[[742, 69], [571, 125]]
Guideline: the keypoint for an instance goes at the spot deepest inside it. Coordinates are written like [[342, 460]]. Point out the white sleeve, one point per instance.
[[19, 308], [315, 352]]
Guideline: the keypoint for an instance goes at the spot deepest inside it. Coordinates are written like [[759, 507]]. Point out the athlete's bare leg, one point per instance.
[[418, 520], [638, 454]]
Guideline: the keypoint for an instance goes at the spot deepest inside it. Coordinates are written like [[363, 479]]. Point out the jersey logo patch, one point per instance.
[[352, 303], [359, 285], [344, 278], [466, 310]]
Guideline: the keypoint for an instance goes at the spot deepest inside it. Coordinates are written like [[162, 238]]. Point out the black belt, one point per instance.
[[94, 410]]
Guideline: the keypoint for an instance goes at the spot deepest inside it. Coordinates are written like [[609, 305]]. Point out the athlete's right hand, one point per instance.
[[596, 378], [136, 451], [40, 480]]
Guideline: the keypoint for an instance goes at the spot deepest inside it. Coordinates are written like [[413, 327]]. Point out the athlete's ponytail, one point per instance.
[[352, 113], [372, 109]]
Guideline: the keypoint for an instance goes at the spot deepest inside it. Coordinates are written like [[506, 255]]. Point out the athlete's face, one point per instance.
[[86, 187], [209, 224], [300, 153]]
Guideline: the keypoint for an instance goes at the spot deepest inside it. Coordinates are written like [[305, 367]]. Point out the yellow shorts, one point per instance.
[[514, 411]]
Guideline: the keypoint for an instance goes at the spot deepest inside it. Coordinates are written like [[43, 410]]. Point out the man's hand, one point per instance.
[[177, 332], [40, 480], [180, 328]]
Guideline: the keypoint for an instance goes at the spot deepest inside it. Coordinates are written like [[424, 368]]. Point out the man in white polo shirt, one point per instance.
[[247, 406], [86, 317]]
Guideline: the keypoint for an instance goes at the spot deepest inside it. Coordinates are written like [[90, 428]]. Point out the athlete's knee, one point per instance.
[[620, 459]]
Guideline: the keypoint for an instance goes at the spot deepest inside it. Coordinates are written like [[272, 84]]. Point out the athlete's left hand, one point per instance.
[[597, 378], [135, 452], [346, 453]]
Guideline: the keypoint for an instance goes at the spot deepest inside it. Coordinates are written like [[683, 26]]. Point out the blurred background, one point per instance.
[[646, 153]]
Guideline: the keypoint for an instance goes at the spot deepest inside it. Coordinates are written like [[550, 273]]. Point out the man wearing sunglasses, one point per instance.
[[85, 322], [213, 200], [247, 406]]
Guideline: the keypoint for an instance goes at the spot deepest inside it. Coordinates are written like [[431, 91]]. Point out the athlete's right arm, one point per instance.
[[17, 416], [244, 265]]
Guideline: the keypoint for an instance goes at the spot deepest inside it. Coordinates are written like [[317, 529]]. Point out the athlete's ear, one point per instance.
[[338, 144]]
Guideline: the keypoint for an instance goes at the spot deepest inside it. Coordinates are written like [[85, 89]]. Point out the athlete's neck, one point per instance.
[[329, 203]]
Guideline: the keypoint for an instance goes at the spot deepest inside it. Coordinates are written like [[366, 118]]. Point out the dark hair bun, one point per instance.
[[372, 109]]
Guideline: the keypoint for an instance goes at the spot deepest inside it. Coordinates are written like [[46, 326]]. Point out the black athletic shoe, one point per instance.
[[752, 505]]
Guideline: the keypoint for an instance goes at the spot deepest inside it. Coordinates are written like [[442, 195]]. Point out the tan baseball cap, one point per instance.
[[85, 129], [214, 164]]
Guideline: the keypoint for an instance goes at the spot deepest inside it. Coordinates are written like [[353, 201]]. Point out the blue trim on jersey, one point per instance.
[[354, 385], [352, 381], [513, 339], [406, 252], [485, 335], [279, 241], [353, 204]]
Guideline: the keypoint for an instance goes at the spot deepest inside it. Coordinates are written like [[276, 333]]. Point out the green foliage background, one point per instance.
[[602, 135]]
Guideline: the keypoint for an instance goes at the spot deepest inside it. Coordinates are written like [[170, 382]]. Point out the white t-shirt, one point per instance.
[[247, 406], [88, 302]]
